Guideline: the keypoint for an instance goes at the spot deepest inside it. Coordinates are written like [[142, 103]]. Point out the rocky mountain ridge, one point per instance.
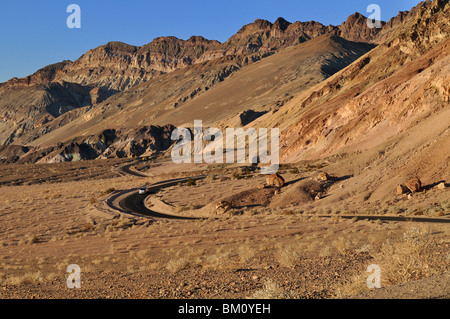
[[64, 92]]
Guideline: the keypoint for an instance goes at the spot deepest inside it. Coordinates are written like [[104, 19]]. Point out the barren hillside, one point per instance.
[[384, 118]]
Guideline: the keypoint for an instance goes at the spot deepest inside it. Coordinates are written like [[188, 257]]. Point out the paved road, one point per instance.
[[125, 170], [132, 202], [395, 218]]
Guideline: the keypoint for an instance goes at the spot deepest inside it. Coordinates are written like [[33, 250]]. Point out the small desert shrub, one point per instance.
[[191, 182], [289, 212], [219, 260], [210, 178], [108, 191], [177, 264], [235, 212], [237, 176], [272, 290], [246, 253], [28, 278], [30, 239], [124, 222], [407, 259], [400, 259], [288, 255]]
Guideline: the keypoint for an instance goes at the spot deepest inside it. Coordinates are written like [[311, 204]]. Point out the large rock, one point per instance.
[[402, 189], [441, 185], [223, 206], [275, 180], [414, 185], [323, 176]]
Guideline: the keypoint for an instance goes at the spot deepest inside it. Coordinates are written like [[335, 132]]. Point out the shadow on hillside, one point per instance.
[[431, 186], [342, 178]]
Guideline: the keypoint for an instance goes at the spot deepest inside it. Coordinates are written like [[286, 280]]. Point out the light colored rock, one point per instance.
[[441, 186], [275, 180], [223, 206], [323, 176]]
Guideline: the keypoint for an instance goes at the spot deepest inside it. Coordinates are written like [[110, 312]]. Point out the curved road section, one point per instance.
[[131, 202], [125, 170]]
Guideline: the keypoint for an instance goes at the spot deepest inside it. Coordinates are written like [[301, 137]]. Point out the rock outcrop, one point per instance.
[[97, 96], [111, 143], [323, 176], [355, 28], [223, 207], [402, 189], [414, 185], [275, 180]]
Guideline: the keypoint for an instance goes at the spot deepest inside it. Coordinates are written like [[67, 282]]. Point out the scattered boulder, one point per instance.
[[223, 206], [275, 180], [441, 186], [402, 189], [323, 176], [414, 185]]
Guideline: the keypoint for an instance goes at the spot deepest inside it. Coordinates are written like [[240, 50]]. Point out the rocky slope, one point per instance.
[[218, 89], [25, 109], [384, 118], [110, 143], [170, 80]]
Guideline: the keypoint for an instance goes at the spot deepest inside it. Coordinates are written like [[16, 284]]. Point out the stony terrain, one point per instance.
[[248, 252], [364, 175]]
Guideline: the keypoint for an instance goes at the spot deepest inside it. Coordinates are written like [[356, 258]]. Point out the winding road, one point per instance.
[[125, 170], [131, 202]]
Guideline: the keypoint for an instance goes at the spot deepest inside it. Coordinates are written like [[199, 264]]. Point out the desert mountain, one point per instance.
[[203, 91], [385, 117], [116, 67], [278, 69]]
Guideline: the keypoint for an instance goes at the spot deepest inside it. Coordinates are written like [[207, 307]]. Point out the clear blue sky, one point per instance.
[[34, 32]]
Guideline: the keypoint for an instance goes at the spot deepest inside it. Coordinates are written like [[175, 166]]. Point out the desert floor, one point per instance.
[[53, 215]]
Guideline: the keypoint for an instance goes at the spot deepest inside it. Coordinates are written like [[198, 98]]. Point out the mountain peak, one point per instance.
[[257, 25], [355, 28], [120, 46], [281, 24]]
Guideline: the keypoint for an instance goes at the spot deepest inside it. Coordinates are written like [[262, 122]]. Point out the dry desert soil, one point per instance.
[[250, 251]]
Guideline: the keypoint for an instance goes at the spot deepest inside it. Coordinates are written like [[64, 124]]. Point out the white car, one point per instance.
[[142, 190]]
